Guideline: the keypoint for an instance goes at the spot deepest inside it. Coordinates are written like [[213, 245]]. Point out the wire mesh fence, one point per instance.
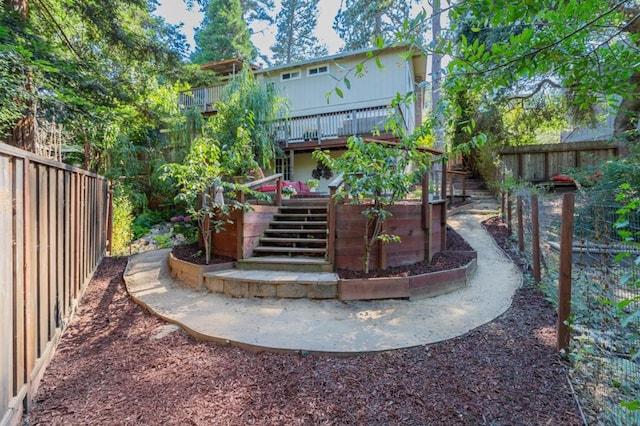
[[604, 350]]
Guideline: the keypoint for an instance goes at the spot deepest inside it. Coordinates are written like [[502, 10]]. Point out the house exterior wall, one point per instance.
[[304, 165], [376, 87]]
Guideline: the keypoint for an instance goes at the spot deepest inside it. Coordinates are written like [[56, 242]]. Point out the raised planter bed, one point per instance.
[[191, 274], [412, 287]]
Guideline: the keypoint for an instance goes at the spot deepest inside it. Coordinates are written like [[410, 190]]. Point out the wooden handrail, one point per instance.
[[262, 181], [464, 182]]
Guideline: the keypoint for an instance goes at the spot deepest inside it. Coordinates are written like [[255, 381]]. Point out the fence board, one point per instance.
[[52, 220], [18, 276], [31, 265], [59, 247], [6, 291], [52, 227], [67, 298], [43, 259]]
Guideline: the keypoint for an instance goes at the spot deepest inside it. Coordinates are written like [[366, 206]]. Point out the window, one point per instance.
[[321, 69], [283, 166], [291, 75]]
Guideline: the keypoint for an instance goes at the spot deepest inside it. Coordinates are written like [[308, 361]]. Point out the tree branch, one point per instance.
[[536, 90]]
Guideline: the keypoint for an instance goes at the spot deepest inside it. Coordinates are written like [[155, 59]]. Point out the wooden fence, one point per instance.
[[53, 234], [539, 163]]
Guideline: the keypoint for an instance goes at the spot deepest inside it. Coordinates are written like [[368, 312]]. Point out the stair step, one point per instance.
[[299, 222], [276, 249], [293, 240], [296, 231], [307, 216]]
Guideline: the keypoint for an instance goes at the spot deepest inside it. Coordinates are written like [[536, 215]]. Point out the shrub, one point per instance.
[[122, 223]]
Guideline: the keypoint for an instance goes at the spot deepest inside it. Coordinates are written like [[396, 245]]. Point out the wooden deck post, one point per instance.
[[426, 216]]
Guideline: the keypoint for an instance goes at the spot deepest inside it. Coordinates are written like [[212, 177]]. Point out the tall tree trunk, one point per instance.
[[23, 133]]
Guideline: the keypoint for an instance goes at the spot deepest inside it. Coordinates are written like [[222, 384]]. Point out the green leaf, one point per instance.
[[347, 83], [339, 92]]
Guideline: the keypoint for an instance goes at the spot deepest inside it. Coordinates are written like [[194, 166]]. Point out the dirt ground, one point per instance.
[[116, 364]]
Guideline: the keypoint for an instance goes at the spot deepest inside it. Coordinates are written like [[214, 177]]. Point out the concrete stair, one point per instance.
[[279, 284], [484, 202]]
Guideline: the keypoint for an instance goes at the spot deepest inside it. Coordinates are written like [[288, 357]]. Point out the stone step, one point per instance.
[[280, 263], [282, 284]]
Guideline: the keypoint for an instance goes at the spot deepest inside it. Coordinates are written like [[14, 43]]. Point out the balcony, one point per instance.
[[202, 98], [335, 125], [297, 130]]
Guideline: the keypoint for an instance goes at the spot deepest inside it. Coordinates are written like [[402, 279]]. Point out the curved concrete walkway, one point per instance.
[[330, 325]]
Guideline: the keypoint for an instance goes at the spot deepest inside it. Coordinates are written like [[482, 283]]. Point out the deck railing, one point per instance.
[[202, 98], [332, 125]]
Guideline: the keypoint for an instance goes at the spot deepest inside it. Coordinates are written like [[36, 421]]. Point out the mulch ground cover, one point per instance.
[[117, 364]]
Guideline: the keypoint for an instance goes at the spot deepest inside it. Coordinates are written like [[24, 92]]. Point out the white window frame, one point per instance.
[[291, 75], [318, 71]]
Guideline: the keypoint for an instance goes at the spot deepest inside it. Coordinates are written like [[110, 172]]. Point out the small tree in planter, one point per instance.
[[199, 177], [376, 175], [195, 178]]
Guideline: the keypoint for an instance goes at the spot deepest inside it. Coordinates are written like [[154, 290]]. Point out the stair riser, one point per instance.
[[293, 267]]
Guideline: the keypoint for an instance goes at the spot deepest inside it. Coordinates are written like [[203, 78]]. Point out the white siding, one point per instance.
[[376, 88]]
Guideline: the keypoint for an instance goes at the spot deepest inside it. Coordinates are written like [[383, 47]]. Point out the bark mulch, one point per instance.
[[117, 364]]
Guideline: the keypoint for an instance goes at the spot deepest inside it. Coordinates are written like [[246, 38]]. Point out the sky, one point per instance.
[[175, 12]]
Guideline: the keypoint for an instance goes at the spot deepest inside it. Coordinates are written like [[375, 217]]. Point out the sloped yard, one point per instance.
[[116, 364]]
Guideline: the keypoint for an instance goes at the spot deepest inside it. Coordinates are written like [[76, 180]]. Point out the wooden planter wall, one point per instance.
[[53, 228], [251, 225], [420, 239]]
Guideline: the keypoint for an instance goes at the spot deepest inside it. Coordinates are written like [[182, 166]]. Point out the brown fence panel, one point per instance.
[[539, 163], [52, 236]]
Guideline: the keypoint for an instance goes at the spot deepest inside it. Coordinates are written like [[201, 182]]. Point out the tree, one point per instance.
[[587, 48], [358, 22], [17, 122], [243, 124], [81, 65], [223, 34], [257, 10], [376, 175], [295, 40]]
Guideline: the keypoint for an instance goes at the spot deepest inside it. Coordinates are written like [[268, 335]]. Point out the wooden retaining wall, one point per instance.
[[538, 163], [419, 240], [53, 227]]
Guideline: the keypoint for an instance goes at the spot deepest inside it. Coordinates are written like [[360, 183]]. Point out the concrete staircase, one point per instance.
[[296, 239], [484, 201]]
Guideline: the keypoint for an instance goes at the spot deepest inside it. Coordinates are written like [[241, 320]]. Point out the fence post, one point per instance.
[[564, 285], [535, 235], [520, 224], [109, 219], [509, 216]]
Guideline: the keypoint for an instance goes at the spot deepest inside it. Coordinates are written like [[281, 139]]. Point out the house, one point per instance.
[[320, 121]]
